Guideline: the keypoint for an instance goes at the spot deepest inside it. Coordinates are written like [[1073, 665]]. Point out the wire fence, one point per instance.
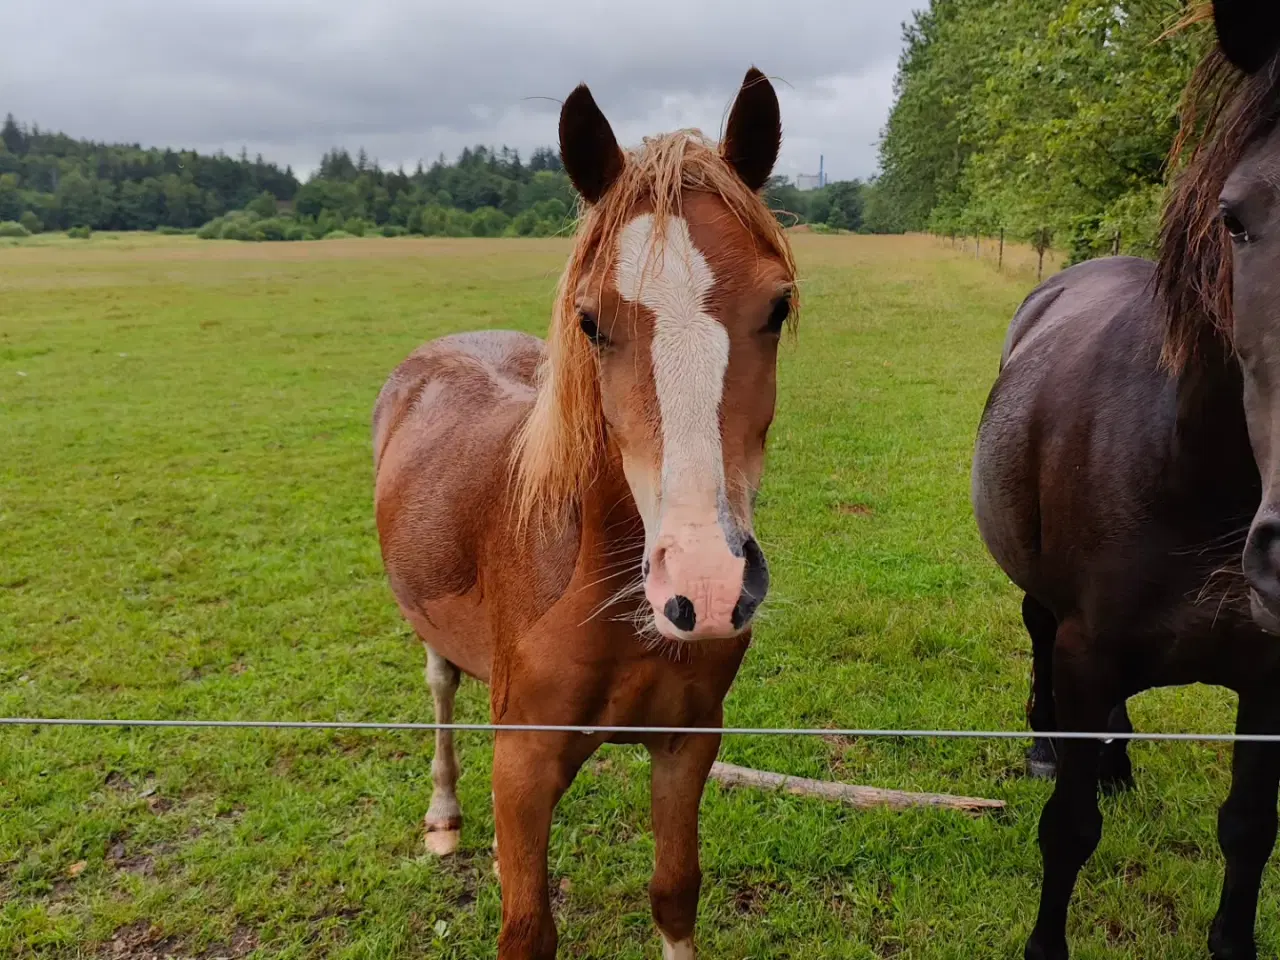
[[647, 731]]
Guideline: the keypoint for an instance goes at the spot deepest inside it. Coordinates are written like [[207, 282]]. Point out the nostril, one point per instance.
[[1262, 558], [755, 584], [755, 574], [679, 610]]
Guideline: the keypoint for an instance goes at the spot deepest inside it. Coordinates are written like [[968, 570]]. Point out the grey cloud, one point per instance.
[[410, 79]]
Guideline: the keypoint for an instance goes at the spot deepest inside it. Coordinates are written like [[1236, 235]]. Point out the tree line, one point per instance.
[[50, 181], [1049, 121], [484, 193]]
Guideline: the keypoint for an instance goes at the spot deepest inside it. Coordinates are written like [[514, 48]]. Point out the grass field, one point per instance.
[[186, 530]]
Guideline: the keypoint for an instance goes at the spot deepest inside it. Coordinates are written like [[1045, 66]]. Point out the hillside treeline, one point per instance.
[[49, 181], [484, 193], [1038, 117]]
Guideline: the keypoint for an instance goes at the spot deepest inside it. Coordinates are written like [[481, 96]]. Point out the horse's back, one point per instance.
[[1080, 407], [443, 427]]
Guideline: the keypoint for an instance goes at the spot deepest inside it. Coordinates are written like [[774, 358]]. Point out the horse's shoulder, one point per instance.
[[456, 375]]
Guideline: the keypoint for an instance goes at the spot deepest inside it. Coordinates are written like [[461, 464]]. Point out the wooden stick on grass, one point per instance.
[[861, 797]]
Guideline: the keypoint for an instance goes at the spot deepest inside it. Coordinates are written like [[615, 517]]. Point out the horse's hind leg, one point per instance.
[[1042, 763], [1247, 828], [444, 816], [1071, 823], [1115, 770]]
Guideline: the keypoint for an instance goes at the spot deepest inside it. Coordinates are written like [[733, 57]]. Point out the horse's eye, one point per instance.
[[592, 329], [778, 315], [1234, 227]]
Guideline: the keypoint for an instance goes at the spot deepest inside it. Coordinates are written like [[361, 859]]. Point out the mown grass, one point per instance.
[[186, 531]]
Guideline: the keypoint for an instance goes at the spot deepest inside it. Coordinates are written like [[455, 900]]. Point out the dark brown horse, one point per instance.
[[571, 521], [1127, 478]]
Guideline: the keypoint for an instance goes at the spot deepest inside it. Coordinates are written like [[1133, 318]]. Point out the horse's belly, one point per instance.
[[457, 628], [442, 430]]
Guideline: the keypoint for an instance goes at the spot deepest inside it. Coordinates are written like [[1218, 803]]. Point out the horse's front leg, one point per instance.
[[680, 767], [1247, 828], [531, 772]]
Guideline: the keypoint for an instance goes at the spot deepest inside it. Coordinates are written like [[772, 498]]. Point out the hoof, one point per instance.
[[1220, 948], [442, 843], [1041, 769], [1042, 764], [1039, 951], [1116, 773], [442, 837]]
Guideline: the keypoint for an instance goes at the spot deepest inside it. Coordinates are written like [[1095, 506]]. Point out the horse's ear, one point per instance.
[[588, 148], [753, 135], [1248, 31]]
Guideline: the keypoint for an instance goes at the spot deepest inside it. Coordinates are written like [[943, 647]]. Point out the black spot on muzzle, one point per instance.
[[679, 610]]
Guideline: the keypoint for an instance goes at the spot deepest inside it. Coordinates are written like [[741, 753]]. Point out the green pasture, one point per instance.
[[186, 531]]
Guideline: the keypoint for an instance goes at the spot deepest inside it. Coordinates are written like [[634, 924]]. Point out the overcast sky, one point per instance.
[[409, 79]]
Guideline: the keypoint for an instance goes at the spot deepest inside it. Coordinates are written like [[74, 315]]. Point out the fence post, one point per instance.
[[977, 246], [1115, 245], [1000, 256]]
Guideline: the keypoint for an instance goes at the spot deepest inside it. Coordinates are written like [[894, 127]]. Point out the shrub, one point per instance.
[[457, 223], [296, 231], [213, 229], [488, 222], [394, 230], [431, 221], [355, 226], [273, 228], [168, 231], [338, 235], [80, 233], [264, 205], [326, 222], [31, 222], [242, 230], [12, 228]]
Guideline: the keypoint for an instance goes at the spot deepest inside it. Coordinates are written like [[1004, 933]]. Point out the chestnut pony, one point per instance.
[[571, 521], [1127, 478]]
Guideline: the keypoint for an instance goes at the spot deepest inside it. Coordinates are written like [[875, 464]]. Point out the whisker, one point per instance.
[[594, 583], [1232, 537], [634, 588]]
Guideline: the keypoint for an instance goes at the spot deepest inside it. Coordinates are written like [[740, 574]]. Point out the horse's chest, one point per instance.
[[665, 694]]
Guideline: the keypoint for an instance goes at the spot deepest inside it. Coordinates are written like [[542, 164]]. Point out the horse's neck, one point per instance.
[[612, 531], [1211, 443]]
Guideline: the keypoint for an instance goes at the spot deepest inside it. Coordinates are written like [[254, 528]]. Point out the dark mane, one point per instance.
[[1223, 112]]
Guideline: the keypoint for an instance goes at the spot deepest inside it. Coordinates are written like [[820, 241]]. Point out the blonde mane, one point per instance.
[[560, 447]]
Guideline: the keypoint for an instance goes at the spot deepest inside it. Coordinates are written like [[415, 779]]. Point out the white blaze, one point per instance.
[[670, 276]]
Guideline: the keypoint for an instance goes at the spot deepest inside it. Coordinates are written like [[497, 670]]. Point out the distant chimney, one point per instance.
[[822, 177]]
